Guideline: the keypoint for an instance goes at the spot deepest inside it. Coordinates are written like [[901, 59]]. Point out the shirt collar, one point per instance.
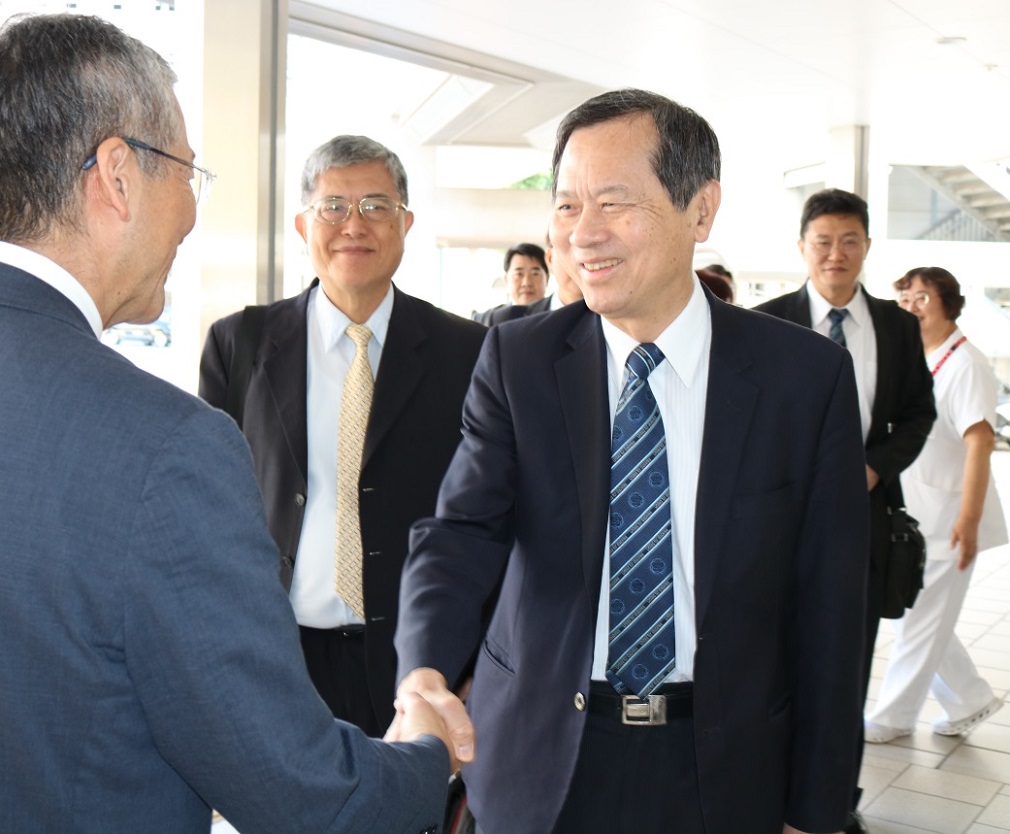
[[682, 342], [333, 321], [820, 306], [55, 276], [948, 344]]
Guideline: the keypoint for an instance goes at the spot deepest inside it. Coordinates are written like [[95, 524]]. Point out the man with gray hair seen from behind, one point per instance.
[[151, 661], [653, 478]]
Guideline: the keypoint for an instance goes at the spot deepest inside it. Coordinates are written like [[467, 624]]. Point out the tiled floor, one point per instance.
[[952, 785], [931, 784]]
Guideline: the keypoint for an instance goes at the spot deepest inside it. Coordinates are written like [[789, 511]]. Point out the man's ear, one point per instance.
[[300, 226], [114, 175], [709, 199]]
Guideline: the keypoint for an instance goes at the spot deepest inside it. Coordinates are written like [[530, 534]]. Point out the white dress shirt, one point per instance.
[[680, 385], [56, 276], [329, 354], [860, 339]]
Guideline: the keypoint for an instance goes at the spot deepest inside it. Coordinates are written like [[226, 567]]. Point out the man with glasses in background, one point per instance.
[[893, 382], [352, 409], [151, 661]]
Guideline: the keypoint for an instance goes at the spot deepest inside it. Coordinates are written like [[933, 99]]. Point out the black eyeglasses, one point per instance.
[[202, 178]]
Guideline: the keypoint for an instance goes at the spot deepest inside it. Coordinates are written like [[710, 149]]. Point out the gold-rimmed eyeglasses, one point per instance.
[[200, 181], [907, 300], [334, 210]]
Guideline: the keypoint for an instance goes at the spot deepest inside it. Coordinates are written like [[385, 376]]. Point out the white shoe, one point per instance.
[[956, 728], [879, 734]]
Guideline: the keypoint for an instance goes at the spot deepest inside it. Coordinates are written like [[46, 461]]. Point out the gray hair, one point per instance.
[[686, 155], [68, 83], [343, 151]]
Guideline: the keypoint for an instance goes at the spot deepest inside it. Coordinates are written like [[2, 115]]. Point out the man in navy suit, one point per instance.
[[755, 727], [894, 385], [354, 222], [526, 276], [151, 663]]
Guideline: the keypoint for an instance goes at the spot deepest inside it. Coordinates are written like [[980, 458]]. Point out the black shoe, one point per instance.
[[856, 824]]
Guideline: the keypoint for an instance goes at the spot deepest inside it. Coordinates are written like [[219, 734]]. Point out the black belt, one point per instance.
[[349, 630], [670, 702]]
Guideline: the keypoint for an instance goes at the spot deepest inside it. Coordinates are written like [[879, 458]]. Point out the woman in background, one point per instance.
[[950, 489]]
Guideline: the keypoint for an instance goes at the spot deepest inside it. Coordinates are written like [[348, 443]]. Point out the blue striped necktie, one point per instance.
[[836, 333], [642, 646]]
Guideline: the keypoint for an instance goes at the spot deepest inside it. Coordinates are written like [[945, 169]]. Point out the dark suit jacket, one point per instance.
[[779, 572], [903, 410], [413, 430], [151, 665], [508, 312]]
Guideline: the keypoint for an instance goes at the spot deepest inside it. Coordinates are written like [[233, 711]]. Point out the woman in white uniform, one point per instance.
[[950, 489]]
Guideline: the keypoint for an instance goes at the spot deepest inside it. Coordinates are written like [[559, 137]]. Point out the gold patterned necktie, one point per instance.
[[355, 404]]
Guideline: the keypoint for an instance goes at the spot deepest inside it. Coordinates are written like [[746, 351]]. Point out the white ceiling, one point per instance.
[[788, 71]]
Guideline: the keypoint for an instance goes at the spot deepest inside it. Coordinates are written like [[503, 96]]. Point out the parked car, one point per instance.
[[157, 333]]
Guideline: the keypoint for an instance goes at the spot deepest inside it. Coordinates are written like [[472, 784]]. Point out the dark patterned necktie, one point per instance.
[[837, 317], [641, 647]]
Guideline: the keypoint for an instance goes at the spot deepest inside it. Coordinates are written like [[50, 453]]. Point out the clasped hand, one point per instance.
[[426, 706]]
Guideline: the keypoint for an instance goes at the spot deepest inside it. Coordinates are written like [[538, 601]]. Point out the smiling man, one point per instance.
[[151, 666], [895, 388], [653, 478], [352, 410], [526, 274]]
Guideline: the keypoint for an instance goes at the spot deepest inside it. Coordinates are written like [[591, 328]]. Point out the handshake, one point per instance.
[[426, 706]]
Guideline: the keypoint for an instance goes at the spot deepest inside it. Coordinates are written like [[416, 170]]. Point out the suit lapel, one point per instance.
[[401, 368], [283, 353], [885, 372], [582, 382], [729, 407], [799, 309]]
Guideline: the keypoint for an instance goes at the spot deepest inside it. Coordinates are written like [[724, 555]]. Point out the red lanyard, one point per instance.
[[946, 356]]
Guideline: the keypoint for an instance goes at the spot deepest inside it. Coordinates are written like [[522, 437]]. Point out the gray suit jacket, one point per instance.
[[152, 668], [780, 573]]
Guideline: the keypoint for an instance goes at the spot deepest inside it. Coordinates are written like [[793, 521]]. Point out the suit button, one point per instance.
[[299, 499], [580, 701], [287, 561]]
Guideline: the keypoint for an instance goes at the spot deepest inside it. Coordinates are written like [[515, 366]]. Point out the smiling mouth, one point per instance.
[[595, 267]]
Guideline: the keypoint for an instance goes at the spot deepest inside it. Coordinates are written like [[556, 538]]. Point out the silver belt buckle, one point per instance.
[[649, 711]]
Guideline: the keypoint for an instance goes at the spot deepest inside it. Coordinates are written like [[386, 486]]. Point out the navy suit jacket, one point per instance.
[[507, 312], [413, 430], [903, 410], [152, 668], [780, 573]]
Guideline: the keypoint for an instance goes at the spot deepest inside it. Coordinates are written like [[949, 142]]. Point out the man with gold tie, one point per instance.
[[352, 411]]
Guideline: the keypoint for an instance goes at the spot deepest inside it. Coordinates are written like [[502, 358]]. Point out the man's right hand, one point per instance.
[[413, 718]]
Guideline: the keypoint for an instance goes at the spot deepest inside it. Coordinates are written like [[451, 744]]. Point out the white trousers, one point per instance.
[[927, 656]]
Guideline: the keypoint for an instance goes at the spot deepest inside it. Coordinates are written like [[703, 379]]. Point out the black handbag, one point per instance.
[[906, 562]]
